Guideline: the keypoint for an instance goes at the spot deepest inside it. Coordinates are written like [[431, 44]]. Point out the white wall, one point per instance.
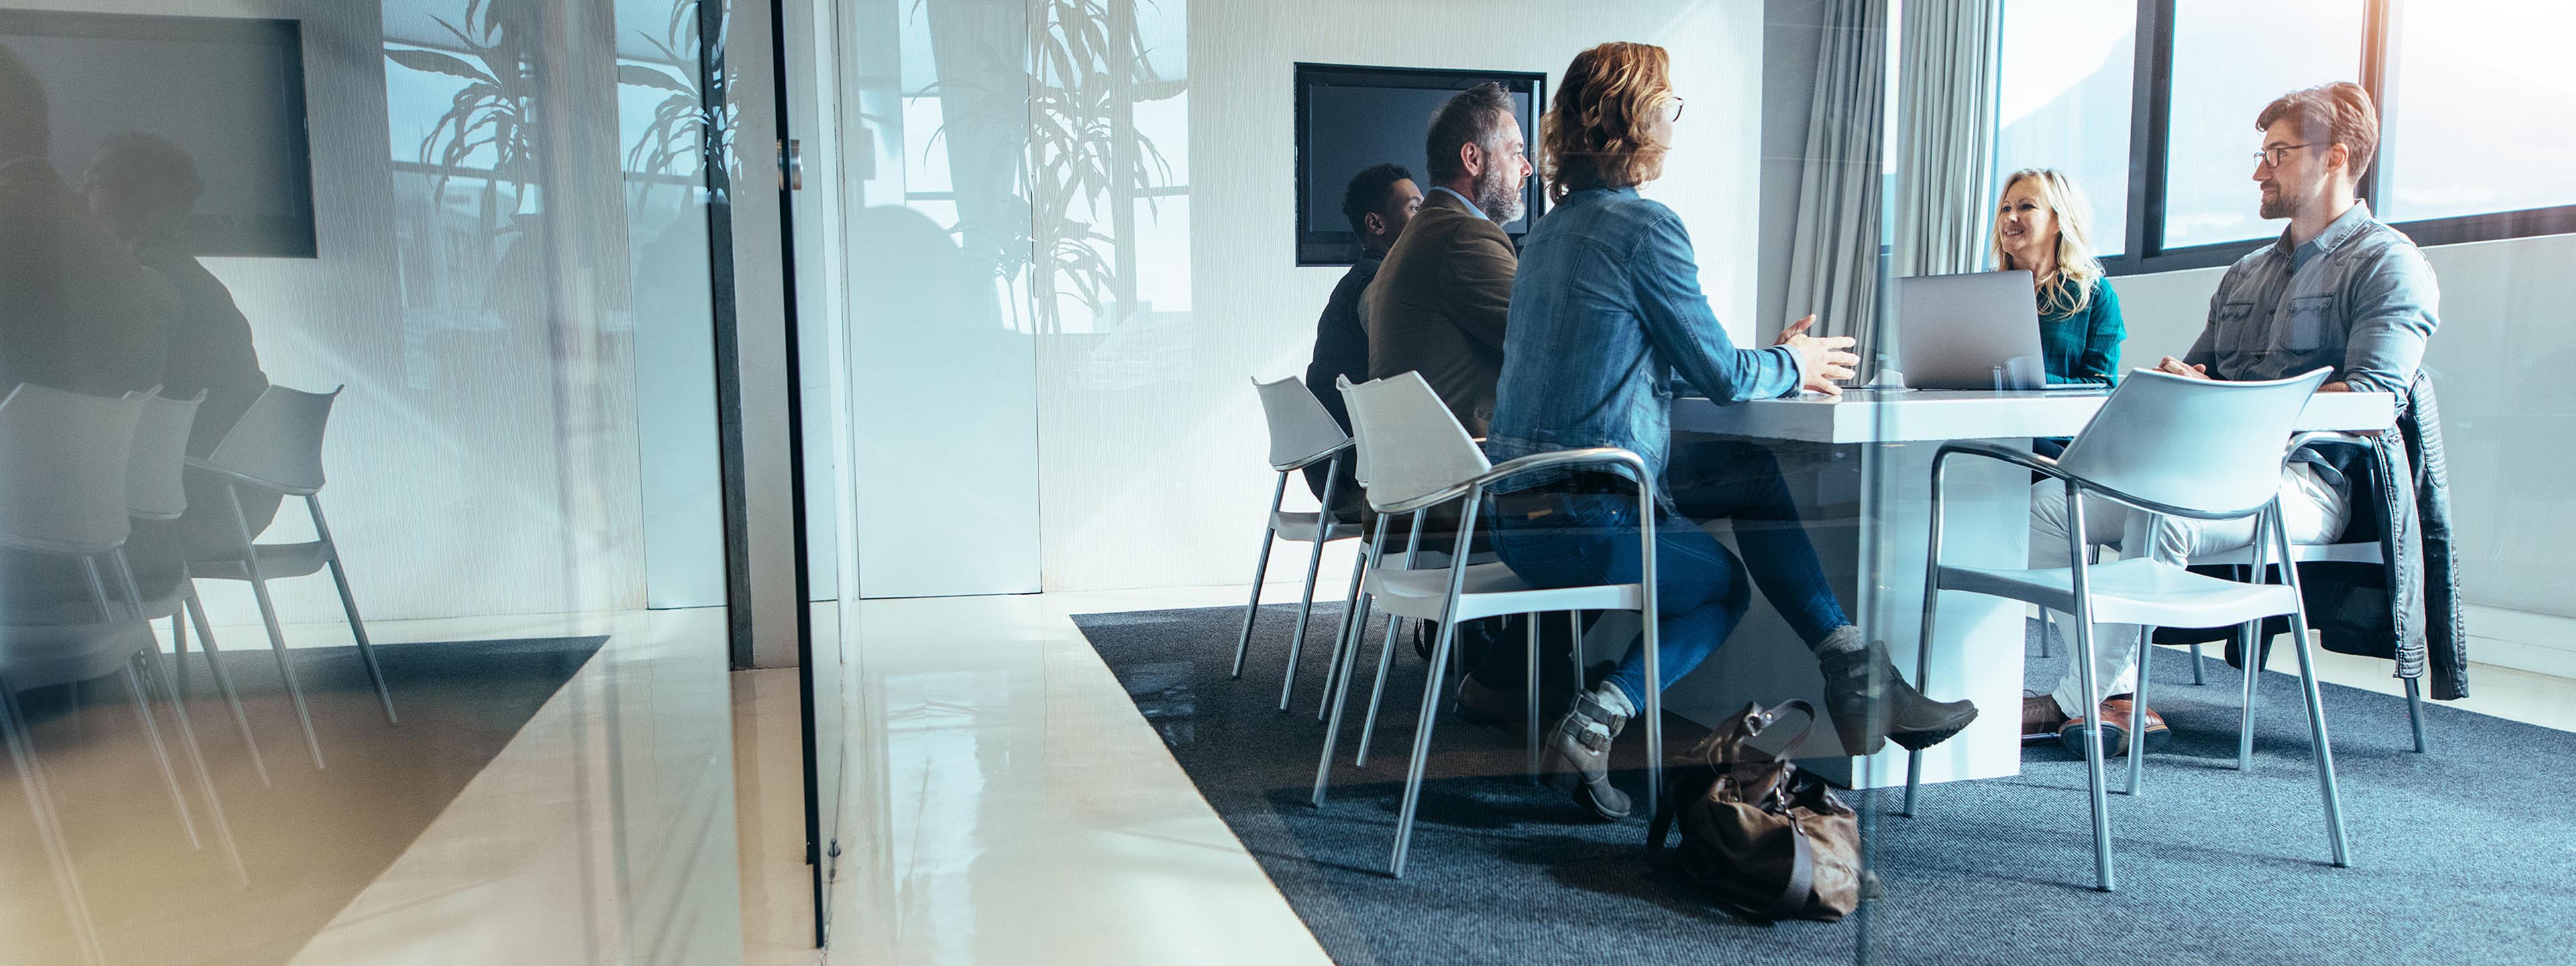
[[1161, 481], [2502, 363]]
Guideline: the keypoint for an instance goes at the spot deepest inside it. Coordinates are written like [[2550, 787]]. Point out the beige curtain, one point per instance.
[[1946, 140], [1834, 258]]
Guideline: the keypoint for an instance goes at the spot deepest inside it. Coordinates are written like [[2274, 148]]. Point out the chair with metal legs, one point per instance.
[[2356, 551], [277, 447], [65, 459], [1420, 458], [1302, 434], [2163, 444]]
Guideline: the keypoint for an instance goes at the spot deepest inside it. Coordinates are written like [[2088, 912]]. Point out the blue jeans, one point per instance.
[[1561, 537]]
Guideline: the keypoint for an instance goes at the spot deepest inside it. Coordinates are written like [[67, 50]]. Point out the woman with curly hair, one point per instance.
[[1606, 302]]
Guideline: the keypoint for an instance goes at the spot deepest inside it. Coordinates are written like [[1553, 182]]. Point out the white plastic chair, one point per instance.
[[1419, 457], [2171, 445], [2354, 551], [1302, 433], [277, 446], [65, 458]]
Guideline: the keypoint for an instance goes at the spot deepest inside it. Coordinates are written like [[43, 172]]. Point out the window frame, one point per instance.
[[2150, 120]]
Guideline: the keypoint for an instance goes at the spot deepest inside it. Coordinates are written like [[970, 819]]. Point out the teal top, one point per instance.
[[2084, 346]]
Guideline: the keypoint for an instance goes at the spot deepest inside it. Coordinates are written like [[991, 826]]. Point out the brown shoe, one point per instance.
[[2115, 729], [1491, 707], [2040, 716]]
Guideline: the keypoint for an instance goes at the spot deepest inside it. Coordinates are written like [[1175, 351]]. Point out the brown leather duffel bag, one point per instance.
[[1759, 836]]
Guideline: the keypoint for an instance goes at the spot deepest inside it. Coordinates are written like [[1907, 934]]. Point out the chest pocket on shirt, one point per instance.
[[2308, 318], [2235, 329]]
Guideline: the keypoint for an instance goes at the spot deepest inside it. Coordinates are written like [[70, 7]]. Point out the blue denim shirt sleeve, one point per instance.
[[2392, 311], [1687, 335]]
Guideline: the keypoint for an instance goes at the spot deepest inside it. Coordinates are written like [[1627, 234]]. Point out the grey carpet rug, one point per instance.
[[2463, 854]]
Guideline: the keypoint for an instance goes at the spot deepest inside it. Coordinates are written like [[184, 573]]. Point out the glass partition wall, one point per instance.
[[440, 267]]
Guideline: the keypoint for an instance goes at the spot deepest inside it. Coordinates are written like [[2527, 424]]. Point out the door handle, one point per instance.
[[791, 165]]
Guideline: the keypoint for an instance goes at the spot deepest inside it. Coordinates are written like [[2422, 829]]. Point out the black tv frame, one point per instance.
[[288, 236], [1342, 247]]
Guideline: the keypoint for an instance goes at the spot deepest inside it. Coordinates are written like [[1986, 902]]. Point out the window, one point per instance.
[[2067, 70], [2477, 114], [2481, 109], [2230, 58]]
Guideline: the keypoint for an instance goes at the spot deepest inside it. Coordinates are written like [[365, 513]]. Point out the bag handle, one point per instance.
[[1728, 749]]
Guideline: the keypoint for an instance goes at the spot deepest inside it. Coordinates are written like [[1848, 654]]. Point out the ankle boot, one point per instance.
[[1870, 703], [1580, 764]]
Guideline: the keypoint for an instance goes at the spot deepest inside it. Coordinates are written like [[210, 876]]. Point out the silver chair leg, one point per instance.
[[1529, 692], [2196, 677], [268, 616], [150, 667], [179, 653], [1342, 635], [2415, 710], [2093, 771], [1306, 601], [1431, 691], [1574, 651], [2249, 640], [1260, 571], [1386, 653], [1923, 680], [1377, 691], [349, 605], [224, 682], [2323, 749], [2047, 625], [161, 753], [49, 827], [1346, 656], [2138, 710], [1338, 687]]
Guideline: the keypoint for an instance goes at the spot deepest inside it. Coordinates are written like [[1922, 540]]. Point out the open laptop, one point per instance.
[[1973, 331]]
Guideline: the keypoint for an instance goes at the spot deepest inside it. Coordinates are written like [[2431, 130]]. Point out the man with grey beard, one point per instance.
[[1437, 308], [1438, 304]]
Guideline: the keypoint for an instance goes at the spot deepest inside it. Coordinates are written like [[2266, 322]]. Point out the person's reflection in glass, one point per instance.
[[80, 314], [144, 187]]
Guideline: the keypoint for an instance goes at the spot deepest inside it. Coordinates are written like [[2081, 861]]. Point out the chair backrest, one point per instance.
[[1359, 450], [278, 442], [156, 466], [2201, 445], [1299, 426], [62, 468], [1415, 446]]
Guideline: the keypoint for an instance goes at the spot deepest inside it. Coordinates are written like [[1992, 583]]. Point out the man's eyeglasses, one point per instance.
[[2272, 157], [1673, 109]]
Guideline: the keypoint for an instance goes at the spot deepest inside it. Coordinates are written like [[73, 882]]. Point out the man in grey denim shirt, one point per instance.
[[2339, 290]]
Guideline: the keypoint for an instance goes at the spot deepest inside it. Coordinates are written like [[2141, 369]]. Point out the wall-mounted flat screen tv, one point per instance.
[[228, 91], [1351, 118]]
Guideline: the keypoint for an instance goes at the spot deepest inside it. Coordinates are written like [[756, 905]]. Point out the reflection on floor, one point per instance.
[[1006, 802], [600, 834], [307, 841]]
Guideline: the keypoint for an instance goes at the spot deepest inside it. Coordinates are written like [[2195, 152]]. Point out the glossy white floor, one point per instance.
[[1006, 803]]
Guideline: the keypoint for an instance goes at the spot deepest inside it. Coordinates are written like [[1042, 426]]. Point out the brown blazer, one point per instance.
[[1438, 304]]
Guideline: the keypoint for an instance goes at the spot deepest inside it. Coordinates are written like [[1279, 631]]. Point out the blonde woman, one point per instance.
[[2043, 225]]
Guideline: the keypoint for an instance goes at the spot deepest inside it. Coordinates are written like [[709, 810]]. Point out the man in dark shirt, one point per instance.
[[143, 188], [1378, 202]]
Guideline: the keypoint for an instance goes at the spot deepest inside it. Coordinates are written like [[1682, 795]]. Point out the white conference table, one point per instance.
[[1860, 469]]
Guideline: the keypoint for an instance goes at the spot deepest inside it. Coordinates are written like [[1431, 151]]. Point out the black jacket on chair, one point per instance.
[[2409, 610]]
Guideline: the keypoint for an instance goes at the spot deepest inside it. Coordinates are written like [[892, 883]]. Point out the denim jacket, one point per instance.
[[1606, 303], [2364, 304]]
